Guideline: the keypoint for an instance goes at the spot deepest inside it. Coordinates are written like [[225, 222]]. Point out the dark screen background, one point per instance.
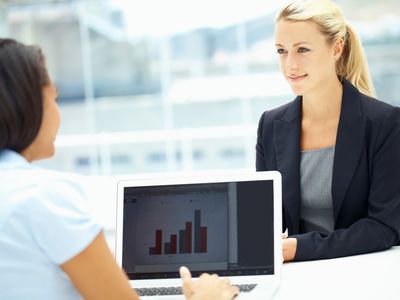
[[255, 230], [255, 224]]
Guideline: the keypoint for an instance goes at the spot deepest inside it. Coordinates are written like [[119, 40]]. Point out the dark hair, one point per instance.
[[22, 76]]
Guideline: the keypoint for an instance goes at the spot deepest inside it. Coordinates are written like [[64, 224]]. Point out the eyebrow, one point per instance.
[[294, 45]]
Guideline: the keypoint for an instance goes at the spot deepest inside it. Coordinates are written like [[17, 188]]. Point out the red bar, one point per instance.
[[188, 237], [173, 244], [158, 241], [203, 239]]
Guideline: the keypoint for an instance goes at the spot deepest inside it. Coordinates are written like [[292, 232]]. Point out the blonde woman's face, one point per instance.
[[306, 60]]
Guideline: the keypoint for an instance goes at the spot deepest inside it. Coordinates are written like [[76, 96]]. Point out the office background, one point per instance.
[[161, 86], [177, 85]]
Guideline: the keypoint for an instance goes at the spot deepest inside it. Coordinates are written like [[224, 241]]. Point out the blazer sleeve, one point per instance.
[[380, 229], [260, 159], [261, 164]]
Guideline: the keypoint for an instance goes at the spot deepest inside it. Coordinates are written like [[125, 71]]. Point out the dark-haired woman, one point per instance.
[[50, 248]]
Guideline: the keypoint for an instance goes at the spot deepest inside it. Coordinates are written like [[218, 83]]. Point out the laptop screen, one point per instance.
[[224, 228]]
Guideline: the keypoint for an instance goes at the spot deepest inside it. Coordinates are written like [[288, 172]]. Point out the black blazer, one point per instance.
[[366, 175]]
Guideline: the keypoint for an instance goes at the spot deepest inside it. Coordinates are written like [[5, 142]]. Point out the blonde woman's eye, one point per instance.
[[303, 50], [280, 51]]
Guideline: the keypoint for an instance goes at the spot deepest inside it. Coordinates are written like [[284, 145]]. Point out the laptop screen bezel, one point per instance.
[[201, 178]]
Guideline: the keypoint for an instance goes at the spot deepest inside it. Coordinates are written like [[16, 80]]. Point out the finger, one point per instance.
[[285, 244], [236, 290], [205, 275], [187, 281], [231, 293], [185, 274]]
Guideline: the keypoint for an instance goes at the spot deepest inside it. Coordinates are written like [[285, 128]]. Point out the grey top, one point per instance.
[[316, 210]]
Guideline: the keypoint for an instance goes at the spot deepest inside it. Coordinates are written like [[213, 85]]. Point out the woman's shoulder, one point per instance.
[[284, 112], [61, 189], [377, 110], [40, 187], [40, 193], [55, 180], [383, 118], [57, 211]]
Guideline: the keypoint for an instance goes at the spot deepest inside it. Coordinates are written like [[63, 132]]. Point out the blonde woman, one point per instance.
[[337, 147]]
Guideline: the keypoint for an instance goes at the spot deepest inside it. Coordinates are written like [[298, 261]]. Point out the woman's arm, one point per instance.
[[261, 164], [96, 275], [260, 160]]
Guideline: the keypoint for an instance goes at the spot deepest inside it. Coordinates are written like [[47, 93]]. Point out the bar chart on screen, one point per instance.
[[185, 239], [176, 227]]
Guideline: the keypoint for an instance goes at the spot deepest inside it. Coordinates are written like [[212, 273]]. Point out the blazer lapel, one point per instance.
[[287, 149], [349, 144]]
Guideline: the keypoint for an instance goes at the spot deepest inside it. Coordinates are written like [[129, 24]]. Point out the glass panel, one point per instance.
[[157, 90]]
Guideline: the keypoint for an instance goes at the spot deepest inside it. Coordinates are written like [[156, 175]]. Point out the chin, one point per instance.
[[52, 152], [48, 154], [302, 87], [298, 91]]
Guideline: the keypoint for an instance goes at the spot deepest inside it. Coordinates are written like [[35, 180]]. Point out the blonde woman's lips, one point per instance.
[[297, 77]]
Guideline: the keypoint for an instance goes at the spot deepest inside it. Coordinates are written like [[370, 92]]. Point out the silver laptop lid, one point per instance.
[[229, 224]]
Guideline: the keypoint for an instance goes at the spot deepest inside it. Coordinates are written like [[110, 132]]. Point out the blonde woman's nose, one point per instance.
[[291, 63]]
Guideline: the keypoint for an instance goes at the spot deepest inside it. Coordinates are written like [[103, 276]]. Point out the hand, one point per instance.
[[206, 287], [289, 247]]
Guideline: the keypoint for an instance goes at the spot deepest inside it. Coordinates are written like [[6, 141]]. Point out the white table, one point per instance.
[[374, 276]]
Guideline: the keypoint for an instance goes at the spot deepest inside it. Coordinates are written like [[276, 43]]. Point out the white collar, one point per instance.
[[10, 158]]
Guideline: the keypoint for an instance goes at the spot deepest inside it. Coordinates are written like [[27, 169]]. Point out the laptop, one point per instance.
[[224, 223]]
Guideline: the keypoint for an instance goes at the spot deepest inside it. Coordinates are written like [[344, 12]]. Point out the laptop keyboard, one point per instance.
[[245, 288], [164, 291]]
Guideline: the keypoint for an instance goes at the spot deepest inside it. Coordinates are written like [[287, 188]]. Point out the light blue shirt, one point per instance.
[[44, 222]]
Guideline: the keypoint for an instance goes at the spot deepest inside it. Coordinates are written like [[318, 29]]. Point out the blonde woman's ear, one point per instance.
[[338, 48]]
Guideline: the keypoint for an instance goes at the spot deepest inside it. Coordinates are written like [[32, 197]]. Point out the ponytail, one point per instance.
[[353, 65]]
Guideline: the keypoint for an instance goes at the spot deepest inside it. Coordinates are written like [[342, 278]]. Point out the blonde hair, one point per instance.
[[352, 65]]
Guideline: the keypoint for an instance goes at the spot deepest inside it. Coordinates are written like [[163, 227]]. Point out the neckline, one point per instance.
[[318, 149]]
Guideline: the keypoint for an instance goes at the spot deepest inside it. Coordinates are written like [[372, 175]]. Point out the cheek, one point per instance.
[[322, 62], [58, 114], [282, 63], [54, 112], [52, 120], [306, 61]]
